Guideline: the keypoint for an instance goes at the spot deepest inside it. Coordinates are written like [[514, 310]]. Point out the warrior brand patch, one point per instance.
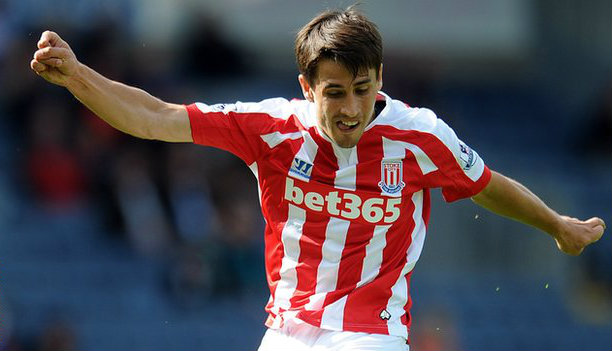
[[391, 176], [301, 168]]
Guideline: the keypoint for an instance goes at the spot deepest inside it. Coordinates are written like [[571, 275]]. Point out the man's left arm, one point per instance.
[[509, 198]]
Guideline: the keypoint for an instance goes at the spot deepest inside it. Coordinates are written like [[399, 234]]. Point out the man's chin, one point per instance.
[[345, 142]]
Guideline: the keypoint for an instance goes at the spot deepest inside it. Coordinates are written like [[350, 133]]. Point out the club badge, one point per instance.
[[391, 176]]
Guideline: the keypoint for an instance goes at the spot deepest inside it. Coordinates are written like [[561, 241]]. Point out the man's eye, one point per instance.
[[362, 91], [334, 93]]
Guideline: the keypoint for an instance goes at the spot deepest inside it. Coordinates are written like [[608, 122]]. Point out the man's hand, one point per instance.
[[54, 60], [575, 234], [509, 198], [128, 109]]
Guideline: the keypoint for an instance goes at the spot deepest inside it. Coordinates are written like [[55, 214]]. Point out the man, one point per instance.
[[343, 178]]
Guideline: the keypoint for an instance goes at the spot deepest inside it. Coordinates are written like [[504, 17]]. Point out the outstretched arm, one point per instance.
[[126, 108], [509, 198]]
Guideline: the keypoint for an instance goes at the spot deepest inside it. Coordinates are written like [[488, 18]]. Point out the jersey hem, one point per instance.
[[347, 327]]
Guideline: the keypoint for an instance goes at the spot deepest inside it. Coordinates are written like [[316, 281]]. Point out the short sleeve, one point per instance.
[[236, 127], [461, 172], [473, 175]]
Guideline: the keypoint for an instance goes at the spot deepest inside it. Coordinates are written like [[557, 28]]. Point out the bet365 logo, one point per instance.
[[343, 203]]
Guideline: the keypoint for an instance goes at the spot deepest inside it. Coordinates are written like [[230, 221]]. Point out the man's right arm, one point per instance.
[[126, 108]]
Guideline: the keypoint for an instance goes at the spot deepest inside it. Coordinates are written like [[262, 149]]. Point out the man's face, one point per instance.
[[344, 104]]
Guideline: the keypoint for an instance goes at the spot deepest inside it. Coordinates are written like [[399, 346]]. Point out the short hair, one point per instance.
[[345, 36]]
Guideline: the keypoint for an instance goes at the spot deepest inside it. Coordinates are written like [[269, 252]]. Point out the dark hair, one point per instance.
[[347, 37]]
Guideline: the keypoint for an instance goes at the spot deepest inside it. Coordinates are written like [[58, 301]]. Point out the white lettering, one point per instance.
[[332, 203], [352, 206], [314, 201], [372, 210], [293, 194], [371, 213], [393, 209]]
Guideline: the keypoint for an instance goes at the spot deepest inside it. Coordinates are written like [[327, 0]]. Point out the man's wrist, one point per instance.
[[557, 227], [75, 82]]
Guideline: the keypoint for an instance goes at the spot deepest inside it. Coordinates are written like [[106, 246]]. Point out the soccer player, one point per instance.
[[344, 179]]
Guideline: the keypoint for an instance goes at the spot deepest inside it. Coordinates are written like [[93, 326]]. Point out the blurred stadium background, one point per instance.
[[108, 242]]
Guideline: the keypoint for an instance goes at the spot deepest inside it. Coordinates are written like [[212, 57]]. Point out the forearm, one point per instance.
[[126, 108], [511, 199]]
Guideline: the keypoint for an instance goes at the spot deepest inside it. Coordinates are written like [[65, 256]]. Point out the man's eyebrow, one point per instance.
[[336, 85], [364, 81], [333, 85]]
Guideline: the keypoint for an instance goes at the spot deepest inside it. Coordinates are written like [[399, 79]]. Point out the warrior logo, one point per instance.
[[301, 168], [385, 315], [391, 176]]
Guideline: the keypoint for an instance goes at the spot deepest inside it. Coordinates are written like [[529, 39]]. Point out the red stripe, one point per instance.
[[324, 169], [407, 318], [364, 305], [274, 209], [369, 150], [375, 295]]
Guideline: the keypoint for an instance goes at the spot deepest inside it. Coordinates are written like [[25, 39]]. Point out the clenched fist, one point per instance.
[[54, 60], [577, 234]]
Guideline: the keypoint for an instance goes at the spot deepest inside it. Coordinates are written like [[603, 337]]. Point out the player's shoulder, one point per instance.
[[402, 116], [275, 107]]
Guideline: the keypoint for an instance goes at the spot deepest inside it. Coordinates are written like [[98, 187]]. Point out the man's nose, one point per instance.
[[350, 108]]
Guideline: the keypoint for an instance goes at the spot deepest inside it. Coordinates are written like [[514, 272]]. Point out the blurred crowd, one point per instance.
[[191, 207], [194, 209]]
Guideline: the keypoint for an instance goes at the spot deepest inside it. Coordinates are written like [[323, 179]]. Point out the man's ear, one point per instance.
[[306, 88], [379, 83]]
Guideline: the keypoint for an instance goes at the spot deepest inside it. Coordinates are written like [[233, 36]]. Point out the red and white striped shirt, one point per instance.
[[344, 227]]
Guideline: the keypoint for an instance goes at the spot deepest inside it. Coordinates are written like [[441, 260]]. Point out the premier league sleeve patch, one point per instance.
[[467, 156]]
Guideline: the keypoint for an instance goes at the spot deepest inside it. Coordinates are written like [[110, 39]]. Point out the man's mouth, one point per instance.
[[347, 125]]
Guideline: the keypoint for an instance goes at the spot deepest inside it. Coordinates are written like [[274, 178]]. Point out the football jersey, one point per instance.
[[344, 227]]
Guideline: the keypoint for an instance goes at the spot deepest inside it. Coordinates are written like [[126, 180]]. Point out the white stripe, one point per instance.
[[274, 139], [333, 315], [291, 235], [394, 149], [346, 175], [308, 150], [292, 232], [255, 169], [374, 255], [274, 107], [331, 252], [418, 234], [399, 291]]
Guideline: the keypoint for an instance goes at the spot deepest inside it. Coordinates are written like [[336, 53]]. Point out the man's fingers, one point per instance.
[[596, 221], [601, 222], [48, 38], [599, 230], [51, 52], [53, 62], [37, 66]]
